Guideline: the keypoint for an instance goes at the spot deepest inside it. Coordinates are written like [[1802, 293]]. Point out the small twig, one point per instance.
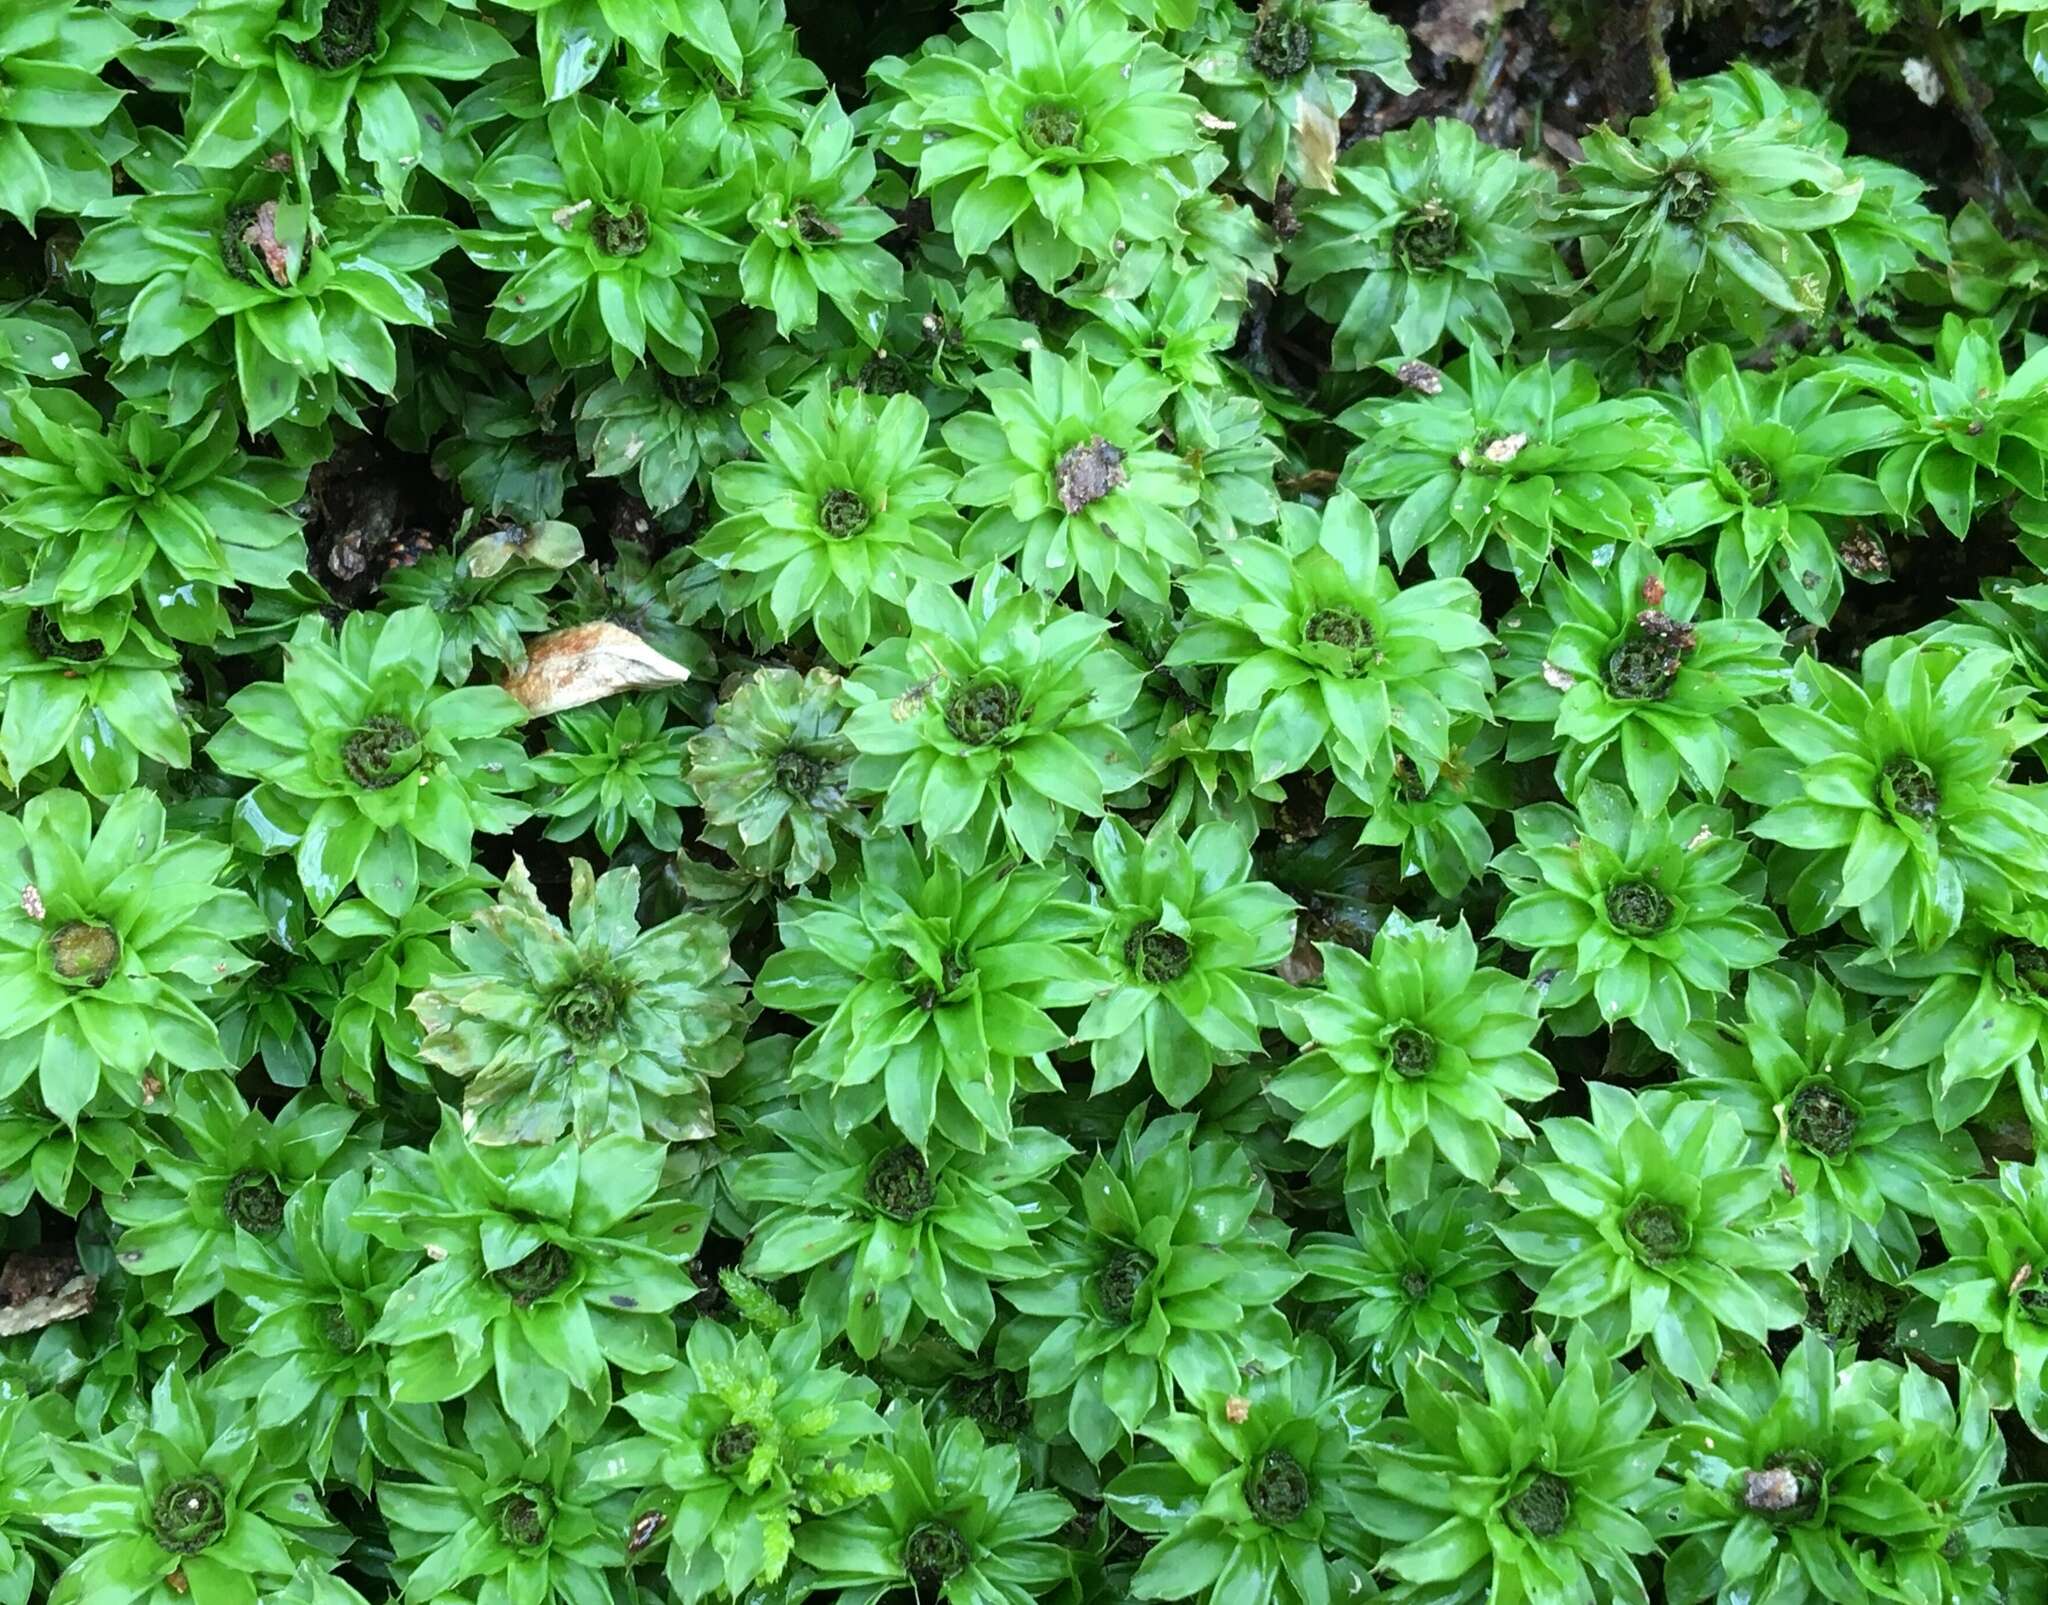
[[1486, 75], [1657, 23], [1966, 95]]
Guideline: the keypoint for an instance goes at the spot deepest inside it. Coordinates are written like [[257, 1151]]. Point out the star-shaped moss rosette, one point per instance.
[[815, 232], [1632, 915], [495, 1510], [1415, 1052], [281, 74], [1969, 427], [1438, 829], [891, 1238], [611, 769], [1533, 1480], [61, 121], [614, 233], [132, 512], [773, 774], [1188, 943], [1629, 673], [1424, 1281], [304, 1299], [1857, 1138], [1003, 710], [739, 1445], [1430, 233], [1255, 1494], [88, 693], [928, 987], [222, 1170], [1709, 216], [113, 933], [1288, 72], [1508, 460], [188, 1504], [1328, 656], [1163, 1278], [1991, 1292], [1787, 1477], [29, 1557], [590, 1027], [1951, 1457], [1780, 471], [546, 1268], [368, 769], [300, 308], [842, 508], [1071, 482], [1654, 1223], [1974, 1015], [1055, 138], [954, 1525], [1894, 800]]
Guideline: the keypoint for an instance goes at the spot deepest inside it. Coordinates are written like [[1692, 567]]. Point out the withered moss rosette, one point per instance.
[[773, 774], [584, 1028]]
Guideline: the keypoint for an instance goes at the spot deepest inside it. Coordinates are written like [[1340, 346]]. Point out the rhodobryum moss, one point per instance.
[[1023, 802]]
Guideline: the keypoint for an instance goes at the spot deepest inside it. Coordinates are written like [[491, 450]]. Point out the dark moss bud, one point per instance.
[[1416, 1284], [1277, 1489], [899, 1183], [1281, 46], [798, 774], [734, 1446], [932, 1554], [348, 32], [1752, 475], [1118, 1283], [536, 1276], [981, 711], [842, 513], [1543, 1507], [619, 234], [254, 1202], [1821, 1120], [2029, 965], [1412, 1053], [188, 1515], [1910, 790], [1688, 195], [380, 752], [338, 1331], [1427, 237], [523, 1518], [1636, 908], [84, 953], [1155, 956], [1645, 666], [1656, 1231], [1344, 628]]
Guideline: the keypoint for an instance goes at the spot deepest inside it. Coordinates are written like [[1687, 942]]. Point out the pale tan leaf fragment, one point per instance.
[[587, 663]]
